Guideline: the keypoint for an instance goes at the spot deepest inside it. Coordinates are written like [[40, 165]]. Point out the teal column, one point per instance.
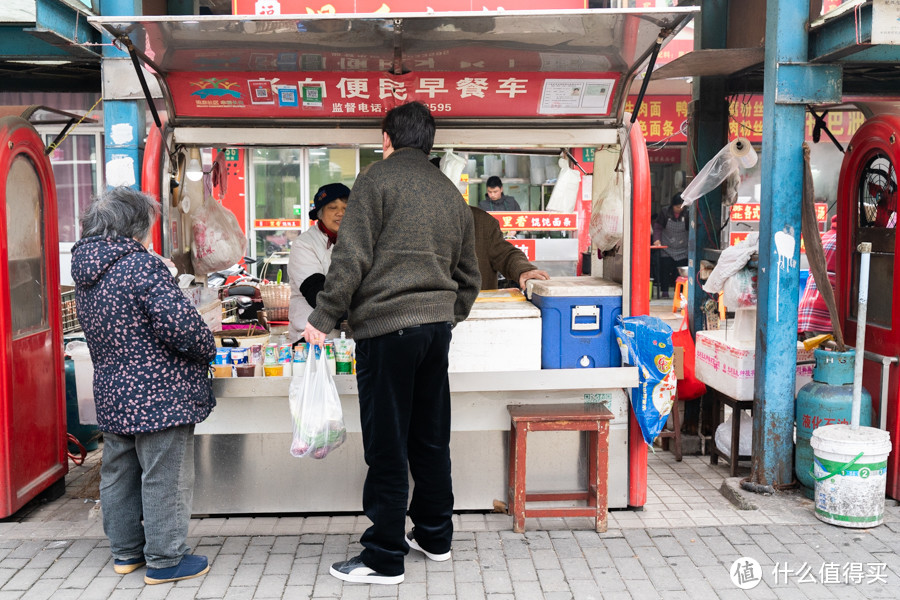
[[779, 242], [709, 116], [124, 121]]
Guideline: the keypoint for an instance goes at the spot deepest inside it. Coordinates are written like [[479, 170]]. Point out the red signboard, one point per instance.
[[661, 117], [367, 94], [278, 224], [735, 237], [749, 213], [746, 120], [526, 246], [332, 7], [536, 221]]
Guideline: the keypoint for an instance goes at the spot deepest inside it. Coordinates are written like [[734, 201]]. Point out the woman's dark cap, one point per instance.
[[326, 195]]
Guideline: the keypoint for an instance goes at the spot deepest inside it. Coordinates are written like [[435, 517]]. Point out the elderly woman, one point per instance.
[[311, 254], [151, 352]]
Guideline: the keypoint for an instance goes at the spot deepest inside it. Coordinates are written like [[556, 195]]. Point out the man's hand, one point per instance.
[[313, 335], [532, 274]]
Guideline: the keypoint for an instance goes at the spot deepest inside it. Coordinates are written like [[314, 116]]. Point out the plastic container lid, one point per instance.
[[574, 287]]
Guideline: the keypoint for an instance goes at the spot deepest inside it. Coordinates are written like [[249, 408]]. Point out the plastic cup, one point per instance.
[[274, 370], [221, 370], [245, 370]]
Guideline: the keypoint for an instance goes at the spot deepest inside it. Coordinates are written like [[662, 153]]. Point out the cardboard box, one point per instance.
[[678, 362], [729, 365]]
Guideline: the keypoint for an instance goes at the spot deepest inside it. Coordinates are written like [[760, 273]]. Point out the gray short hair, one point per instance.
[[120, 211]]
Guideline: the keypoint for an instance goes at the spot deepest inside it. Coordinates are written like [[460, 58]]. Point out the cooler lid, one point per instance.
[[574, 287], [490, 64], [503, 304]]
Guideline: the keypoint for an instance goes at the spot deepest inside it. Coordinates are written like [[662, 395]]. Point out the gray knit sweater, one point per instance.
[[405, 254]]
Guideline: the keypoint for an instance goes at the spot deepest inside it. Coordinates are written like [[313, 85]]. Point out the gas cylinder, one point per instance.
[[826, 400]]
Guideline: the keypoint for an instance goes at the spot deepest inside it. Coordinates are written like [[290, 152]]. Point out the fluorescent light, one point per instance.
[[195, 170]]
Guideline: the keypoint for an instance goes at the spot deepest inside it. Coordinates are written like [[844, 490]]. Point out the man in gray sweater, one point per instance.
[[405, 267]]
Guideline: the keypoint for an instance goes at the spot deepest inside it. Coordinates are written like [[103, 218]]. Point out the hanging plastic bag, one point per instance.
[[646, 343], [316, 416], [217, 241], [453, 165], [737, 154], [607, 224], [565, 192], [740, 289]]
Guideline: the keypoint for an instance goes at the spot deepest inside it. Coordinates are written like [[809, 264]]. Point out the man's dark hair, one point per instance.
[[410, 125], [494, 181]]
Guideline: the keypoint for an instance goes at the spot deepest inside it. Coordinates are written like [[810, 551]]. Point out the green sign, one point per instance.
[[598, 398], [587, 154]]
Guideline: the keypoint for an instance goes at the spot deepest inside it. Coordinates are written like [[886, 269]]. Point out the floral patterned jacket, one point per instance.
[[150, 348]]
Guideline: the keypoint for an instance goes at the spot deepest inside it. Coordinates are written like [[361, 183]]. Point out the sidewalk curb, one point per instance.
[[731, 489]]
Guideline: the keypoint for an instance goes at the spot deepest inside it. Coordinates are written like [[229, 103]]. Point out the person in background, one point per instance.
[[813, 317], [406, 270], [311, 254], [497, 255], [671, 230], [151, 352], [495, 199]]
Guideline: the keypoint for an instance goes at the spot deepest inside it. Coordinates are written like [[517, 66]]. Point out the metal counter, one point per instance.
[[244, 466]]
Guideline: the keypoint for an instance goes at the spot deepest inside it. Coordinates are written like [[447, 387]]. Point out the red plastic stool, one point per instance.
[[681, 285], [593, 418]]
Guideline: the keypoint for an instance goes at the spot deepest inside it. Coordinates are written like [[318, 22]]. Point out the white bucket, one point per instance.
[[850, 469]]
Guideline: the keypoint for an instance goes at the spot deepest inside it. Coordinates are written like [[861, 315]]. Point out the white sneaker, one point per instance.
[[411, 540], [356, 571]]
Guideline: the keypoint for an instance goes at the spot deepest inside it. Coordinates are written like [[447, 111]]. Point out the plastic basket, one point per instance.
[[276, 299], [69, 315]]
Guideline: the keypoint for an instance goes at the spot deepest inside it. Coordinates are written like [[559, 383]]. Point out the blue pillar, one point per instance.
[[779, 245], [124, 121]]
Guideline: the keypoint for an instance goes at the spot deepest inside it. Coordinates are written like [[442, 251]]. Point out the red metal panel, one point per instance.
[[152, 177], [877, 134], [640, 300], [32, 400]]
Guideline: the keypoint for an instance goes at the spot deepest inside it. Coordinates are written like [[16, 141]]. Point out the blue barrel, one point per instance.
[[86, 434], [826, 400]]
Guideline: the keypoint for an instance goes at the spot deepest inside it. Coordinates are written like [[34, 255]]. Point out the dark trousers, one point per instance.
[[668, 271], [404, 406]]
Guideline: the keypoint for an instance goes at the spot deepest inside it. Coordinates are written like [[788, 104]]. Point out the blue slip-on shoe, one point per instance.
[[128, 565], [411, 540], [356, 571], [191, 565]]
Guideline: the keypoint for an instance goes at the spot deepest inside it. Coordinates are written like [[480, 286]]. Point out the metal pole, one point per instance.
[[865, 251]]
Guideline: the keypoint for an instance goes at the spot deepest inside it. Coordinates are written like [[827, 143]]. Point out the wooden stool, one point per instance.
[[681, 285], [674, 433], [593, 418], [719, 399]]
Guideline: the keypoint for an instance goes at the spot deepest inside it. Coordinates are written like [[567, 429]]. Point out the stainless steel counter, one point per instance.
[[243, 463]]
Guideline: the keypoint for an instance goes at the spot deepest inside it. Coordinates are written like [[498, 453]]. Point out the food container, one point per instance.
[[245, 370], [222, 370], [274, 370]]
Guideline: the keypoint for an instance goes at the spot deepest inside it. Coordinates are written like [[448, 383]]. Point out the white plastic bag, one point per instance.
[[316, 416], [453, 165], [730, 159], [732, 260], [740, 289], [723, 435], [565, 192], [217, 241]]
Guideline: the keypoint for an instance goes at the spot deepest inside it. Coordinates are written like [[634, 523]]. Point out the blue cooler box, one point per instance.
[[577, 318]]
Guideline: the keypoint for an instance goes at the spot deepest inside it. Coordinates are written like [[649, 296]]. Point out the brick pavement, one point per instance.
[[682, 545]]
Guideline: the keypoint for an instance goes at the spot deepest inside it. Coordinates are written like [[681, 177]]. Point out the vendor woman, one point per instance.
[[311, 254]]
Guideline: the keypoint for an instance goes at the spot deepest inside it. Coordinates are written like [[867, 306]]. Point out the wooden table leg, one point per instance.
[[520, 444], [735, 437]]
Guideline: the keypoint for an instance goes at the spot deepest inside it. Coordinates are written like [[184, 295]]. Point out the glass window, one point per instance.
[[331, 165], [74, 164], [25, 243], [277, 183]]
